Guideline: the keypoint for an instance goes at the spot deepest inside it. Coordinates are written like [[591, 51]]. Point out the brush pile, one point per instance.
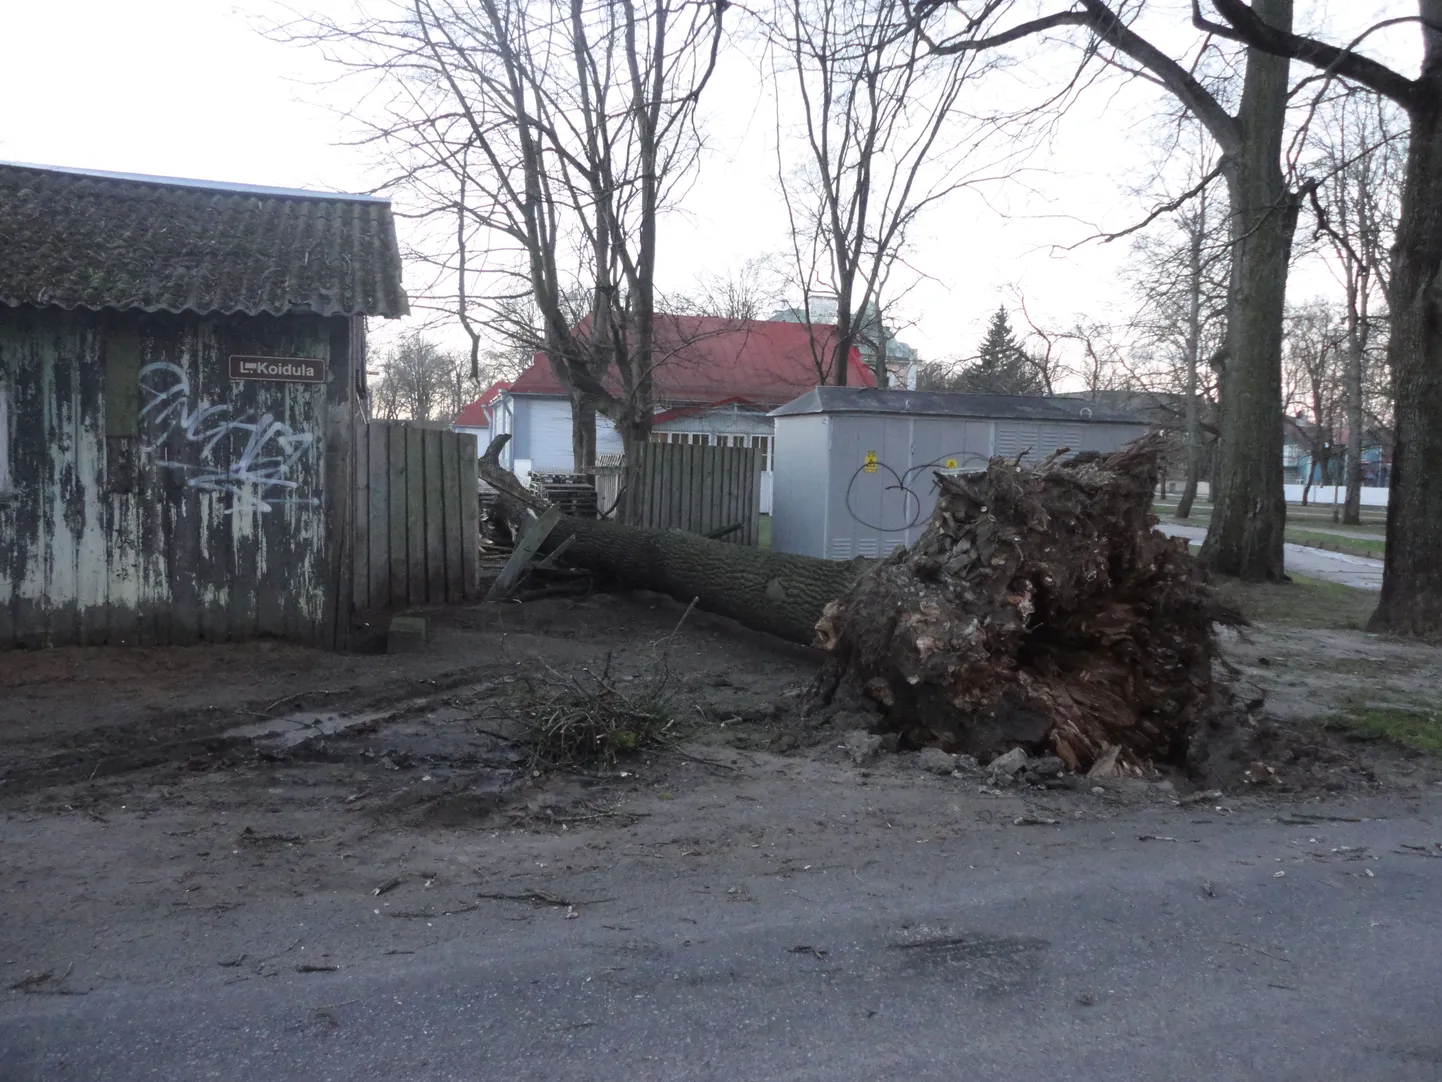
[[592, 720], [1040, 609]]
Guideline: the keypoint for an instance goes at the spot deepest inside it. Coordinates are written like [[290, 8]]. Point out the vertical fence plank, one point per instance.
[[451, 500], [360, 547], [377, 526], [435, 520], [399, 587], [470, 517], [751, 487], [415, 512]]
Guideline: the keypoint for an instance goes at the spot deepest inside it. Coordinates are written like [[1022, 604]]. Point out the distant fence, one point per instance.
[[1326, 494], [416, 516], [693, 487]]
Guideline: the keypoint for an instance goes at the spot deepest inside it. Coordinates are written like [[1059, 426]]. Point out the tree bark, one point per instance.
[[583, 432], [778, 593], [1249, 506], [1194, 347], [1411, 601], [1352, 509]]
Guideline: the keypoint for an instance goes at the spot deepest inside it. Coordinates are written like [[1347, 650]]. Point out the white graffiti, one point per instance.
[[261, 467]]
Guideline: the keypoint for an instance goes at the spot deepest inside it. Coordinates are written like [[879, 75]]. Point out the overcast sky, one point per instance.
[[189, 88]]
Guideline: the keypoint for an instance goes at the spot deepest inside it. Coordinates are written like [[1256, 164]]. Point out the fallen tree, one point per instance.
[[1040, 608], [774, 592]]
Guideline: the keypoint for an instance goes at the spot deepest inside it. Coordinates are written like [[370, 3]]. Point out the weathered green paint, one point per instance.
[[158, 501]]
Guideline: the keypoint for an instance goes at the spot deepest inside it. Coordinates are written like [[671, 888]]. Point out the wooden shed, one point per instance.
[[181, 394]]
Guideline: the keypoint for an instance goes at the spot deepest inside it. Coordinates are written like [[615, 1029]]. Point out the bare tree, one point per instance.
[[1245, 536], [751, 291], [878, 154], [1313, 382], [419, 381], [1359, 150], [540, 140], [1411, 601], [1179, 271]]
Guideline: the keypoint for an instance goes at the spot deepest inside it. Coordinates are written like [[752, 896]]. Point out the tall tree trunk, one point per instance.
[[1411, 601], [1249, 507], [1194, 347], [1352, 509], [583, 432]]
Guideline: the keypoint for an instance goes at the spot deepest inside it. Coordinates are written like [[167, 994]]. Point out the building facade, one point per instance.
[[181, 380]]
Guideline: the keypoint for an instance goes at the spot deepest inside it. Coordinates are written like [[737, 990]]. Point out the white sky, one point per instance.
[[189, 88]]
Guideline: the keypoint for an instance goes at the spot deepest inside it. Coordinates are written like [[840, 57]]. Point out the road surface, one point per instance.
[[1182, 945]]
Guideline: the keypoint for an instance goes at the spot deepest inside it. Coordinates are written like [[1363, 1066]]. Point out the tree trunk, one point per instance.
[[583, 433], [1411, 602], [1249, 506], [1352, 509], [774, 592], [1194, 348]]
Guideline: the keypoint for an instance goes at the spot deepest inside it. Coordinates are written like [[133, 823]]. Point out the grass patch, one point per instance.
[[1375, 547], [1407, 725], [1303, 602]]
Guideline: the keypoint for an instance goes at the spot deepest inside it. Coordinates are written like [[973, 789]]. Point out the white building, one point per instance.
[[715, 381], [477, 417]]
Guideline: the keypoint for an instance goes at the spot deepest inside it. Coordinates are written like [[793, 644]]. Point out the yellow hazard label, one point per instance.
[[870, 462], [951, 463]]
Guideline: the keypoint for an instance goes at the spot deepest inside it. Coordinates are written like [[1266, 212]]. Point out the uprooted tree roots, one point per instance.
[[1039, 609]]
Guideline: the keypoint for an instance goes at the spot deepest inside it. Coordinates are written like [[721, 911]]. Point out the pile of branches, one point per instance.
[[1040, 609], [595, 719]]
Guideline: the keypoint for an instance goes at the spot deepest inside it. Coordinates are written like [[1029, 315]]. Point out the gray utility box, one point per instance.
[[855, 466]]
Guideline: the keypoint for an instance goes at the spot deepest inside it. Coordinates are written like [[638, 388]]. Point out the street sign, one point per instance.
[[284, 369]]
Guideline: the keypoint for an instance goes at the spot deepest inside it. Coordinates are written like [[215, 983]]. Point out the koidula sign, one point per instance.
[[286, 369]]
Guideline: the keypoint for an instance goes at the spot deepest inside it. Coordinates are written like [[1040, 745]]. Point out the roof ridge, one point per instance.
[[230, 187]]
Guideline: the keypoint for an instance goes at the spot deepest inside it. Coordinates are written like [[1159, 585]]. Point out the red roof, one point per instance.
[[478, 413], [704, 359]]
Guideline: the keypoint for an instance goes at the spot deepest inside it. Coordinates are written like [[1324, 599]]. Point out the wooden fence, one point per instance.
[[416, 516], [693, 487]]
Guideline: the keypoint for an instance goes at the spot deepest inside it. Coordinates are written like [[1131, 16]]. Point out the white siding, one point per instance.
[[483, 437]]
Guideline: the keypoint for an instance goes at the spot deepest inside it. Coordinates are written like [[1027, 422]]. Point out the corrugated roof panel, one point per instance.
[[873, 400], [90, 240]]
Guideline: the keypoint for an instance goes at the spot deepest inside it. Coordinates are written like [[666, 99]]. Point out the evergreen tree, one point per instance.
[[1001, 365]]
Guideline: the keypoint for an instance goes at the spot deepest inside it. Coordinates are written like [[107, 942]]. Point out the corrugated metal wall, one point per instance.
[[863, 484], [157, 500]]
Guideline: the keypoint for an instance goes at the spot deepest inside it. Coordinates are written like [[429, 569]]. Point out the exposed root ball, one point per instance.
[[1041, 608]]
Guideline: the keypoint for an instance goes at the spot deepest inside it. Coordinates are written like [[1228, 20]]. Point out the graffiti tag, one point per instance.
[[910, 508], [237, 453]]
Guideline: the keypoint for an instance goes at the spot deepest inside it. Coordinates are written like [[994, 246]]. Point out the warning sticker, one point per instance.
[[951, 463], [870, 466]]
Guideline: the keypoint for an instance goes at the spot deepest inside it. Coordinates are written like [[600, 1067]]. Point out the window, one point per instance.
[[4, 440]]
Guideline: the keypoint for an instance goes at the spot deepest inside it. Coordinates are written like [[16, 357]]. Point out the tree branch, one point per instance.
[[1251, 30]]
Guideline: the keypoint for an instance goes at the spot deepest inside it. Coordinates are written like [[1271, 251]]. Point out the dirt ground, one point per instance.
[[150, 792]]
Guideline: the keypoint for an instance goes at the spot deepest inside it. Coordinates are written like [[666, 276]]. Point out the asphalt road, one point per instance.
[[1338, 567], [1222, 950]]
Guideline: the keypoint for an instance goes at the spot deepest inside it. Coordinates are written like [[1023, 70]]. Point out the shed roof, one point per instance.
[[1002, 407], [707, 359], [77, 239]]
